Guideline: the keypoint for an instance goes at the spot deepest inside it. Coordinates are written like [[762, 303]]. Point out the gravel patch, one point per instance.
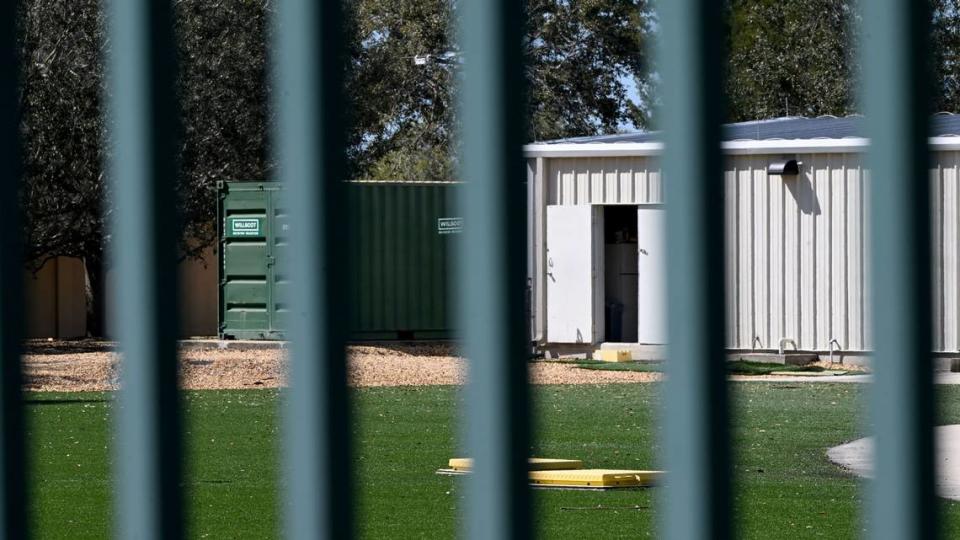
[[94, 366]]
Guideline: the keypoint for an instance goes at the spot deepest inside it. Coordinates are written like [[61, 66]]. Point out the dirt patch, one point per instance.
[[66, 367]]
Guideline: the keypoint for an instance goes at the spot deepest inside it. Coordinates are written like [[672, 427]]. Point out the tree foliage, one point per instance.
[[223, 99], [579, 55], [401, 114], [791, 58], [581, 58], [61, 128], [945, 55]]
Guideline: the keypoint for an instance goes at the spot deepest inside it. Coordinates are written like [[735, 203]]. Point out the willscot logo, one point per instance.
[[450, 225], [245, 227]]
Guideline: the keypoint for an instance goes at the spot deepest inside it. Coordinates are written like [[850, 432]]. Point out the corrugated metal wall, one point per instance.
[[402, 259], [945, 213], [797, 247], [608, 180], [796, 253]]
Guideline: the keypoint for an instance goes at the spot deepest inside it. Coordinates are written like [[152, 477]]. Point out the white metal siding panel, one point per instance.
[[945, 222], [857, 288], [761, 254], [603, 180], [823, 178], [936, 255], [778, 256], [730, 247], [654, 185], [808, 285]]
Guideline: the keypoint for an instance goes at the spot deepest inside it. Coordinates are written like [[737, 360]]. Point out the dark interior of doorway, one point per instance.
[[620, 273]]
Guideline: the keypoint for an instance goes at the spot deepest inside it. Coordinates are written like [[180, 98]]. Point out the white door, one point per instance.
[[574, 274], [651, 276]]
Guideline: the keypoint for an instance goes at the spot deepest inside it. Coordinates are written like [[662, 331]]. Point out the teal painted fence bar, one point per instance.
[[901, 502], [13, 496], [492, 269], [695, 423], [142, 112], [308, 66]]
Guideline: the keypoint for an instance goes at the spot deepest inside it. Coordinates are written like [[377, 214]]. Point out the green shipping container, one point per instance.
[[400, 252]]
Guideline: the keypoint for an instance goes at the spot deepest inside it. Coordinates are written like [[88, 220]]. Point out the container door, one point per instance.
[[244, 285], [277, 272], [574, 274], [651, 276]]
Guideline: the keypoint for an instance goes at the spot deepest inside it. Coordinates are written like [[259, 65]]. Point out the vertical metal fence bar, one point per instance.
[[695, 419], [142, 170], [492, 269], [13, 522], [901, 500], [308, 66]]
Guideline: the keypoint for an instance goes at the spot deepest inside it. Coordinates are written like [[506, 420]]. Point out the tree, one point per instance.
[[580, 57], [223, 95], [945, 49], [401, 114], [791, 58], [61, 88], [222, 57]]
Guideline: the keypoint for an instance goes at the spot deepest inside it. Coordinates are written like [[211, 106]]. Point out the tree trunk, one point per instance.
[[96, 289]]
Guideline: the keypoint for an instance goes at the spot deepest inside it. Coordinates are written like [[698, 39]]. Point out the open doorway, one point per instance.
[[620, 273]]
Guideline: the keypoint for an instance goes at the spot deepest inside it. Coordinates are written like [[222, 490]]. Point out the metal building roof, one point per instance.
[[786, 128]]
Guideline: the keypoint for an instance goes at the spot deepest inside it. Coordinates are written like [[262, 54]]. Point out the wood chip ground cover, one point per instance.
[[88, 366]]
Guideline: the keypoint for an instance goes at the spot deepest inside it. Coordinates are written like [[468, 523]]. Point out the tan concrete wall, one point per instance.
[[54, 297], [199, 300], [56, 303]]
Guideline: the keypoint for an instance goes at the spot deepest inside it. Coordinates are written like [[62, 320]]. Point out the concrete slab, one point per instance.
[[857, 457], [859, 379], [938, 378], [793, 358], [232, 344]]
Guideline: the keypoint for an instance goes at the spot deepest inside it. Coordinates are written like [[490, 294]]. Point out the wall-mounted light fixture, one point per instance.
[[785, 167]]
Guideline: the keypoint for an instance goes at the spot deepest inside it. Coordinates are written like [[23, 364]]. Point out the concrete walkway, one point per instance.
[[857, 457], [939, 378]]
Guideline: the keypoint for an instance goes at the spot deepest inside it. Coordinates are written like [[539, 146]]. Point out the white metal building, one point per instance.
[[797, 244]]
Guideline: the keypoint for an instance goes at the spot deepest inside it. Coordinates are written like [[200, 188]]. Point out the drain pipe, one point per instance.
[[786, 340], [830, 345]]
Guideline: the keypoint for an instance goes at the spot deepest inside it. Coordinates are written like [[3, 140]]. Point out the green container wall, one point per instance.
[[401, 248]]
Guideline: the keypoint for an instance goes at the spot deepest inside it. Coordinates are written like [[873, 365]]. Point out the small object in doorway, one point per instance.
[[612, 355]]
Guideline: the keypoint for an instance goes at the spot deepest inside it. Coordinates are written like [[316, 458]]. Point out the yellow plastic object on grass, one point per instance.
[[535, 464], [611, 355], [595, 478]]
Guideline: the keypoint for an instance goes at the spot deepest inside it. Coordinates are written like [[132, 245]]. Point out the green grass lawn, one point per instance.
[[785, 487]]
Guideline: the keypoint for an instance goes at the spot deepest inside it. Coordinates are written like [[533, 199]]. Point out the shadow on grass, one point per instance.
[[39, 402], [67, 346]]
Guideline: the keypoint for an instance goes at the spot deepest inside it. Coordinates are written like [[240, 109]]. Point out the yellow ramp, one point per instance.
[[595, 478], [611, 355], [534, 464]]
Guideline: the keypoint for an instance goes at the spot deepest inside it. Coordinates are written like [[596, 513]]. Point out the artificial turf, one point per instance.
[[784, 485]]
